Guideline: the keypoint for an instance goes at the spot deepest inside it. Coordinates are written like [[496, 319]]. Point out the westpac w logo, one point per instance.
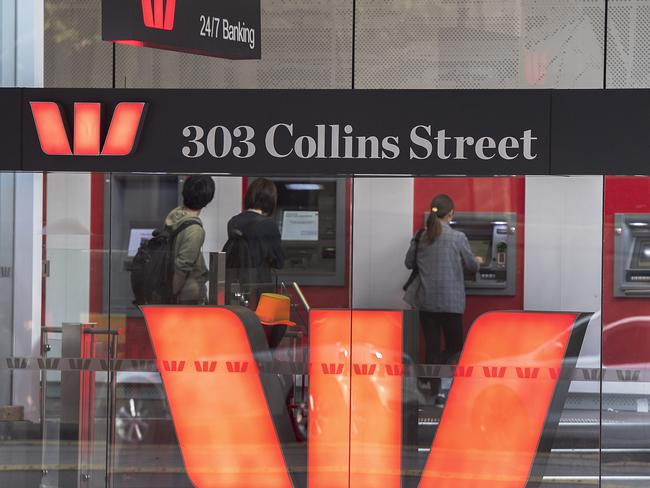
[[159, 14], [233, 425], [121, 138]]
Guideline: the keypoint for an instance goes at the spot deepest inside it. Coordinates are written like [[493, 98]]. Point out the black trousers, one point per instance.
[[451, 326], [274, 334]]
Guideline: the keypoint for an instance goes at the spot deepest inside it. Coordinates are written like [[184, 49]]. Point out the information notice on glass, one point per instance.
[[300, 225]]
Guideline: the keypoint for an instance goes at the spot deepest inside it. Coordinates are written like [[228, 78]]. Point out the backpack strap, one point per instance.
[[175, 233], [184, 226], [418, 237], [414, 271]]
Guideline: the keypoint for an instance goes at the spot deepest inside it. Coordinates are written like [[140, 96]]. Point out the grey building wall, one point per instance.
[[382, 44]]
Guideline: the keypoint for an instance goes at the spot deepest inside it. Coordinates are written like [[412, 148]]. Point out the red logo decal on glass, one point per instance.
[[490, 430], [159, 14], [121, 139]]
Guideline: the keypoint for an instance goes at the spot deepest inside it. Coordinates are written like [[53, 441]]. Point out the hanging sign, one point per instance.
[[229, 29]]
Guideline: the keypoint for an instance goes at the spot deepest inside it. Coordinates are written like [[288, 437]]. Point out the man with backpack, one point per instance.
[[190, 271], [170, 268]]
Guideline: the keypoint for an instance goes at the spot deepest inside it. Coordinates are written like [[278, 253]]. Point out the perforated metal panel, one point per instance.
[[399, 44], [75, 55], [305, 44], [628, 44], [479, 43]]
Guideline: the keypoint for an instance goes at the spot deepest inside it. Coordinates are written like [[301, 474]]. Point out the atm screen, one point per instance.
[[137, 237], [299, 225], [481, 248], [643, 254], [302, 195]]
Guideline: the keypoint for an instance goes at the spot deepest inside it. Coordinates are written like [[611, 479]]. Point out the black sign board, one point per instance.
[[601, 132], [225, 29], [327, 132]]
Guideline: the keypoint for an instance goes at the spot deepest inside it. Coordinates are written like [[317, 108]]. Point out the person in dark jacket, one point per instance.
[[264, 241], [438, 290], [260, 230]]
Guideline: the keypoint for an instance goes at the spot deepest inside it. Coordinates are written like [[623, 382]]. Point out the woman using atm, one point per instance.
[[438, 257]]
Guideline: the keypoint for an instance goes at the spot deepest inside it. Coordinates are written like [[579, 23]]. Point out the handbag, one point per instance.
[[414, 271]]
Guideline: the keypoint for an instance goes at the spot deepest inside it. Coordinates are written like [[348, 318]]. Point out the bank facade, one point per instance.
[[529, 115]]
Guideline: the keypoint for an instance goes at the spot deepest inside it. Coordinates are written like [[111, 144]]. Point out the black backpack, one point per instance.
[[241, 274], [152, 269]]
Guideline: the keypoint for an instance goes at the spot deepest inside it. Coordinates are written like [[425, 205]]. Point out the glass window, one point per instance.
[[501, 308], [7, 43], [314, 353], [625, 328]]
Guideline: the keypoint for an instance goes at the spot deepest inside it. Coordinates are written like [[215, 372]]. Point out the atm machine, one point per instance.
[[492, 236], [311, 217], [137, 204], [631, 255]]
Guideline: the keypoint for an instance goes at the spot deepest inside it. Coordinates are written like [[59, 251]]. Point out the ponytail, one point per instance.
[[434, 226], [441, 205]]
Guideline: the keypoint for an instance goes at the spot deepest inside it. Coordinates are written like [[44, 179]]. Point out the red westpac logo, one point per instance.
[[229, 422], [159, 14], [121, 138]]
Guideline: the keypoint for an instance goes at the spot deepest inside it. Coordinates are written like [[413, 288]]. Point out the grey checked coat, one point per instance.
[[440, 284]]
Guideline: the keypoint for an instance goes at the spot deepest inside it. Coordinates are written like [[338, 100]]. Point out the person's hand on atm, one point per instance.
[[479, 260]]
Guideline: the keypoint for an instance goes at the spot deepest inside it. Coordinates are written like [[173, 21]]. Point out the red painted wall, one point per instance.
[[626, 325], [505, 194]]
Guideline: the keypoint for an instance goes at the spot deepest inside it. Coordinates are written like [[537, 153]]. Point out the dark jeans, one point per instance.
[[451, 325]]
